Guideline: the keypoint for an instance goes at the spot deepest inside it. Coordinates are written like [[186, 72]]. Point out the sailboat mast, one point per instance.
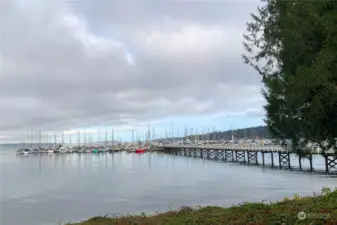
[[112, 136], [47, 137], [99, 136], [62, 138], [84, 138], [106, 138], [90, 137], [133, 135]]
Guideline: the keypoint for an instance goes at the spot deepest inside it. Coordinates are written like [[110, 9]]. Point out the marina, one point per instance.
[[67, 149], [254, 155], [255, 152]]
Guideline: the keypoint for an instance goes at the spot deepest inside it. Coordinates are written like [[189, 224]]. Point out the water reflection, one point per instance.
[[78, 186]]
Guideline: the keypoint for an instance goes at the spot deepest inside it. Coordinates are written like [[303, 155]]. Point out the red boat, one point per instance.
[[140, 150]]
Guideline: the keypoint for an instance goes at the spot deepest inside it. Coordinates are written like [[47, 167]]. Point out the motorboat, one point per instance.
[[95, 150], [140, 151]]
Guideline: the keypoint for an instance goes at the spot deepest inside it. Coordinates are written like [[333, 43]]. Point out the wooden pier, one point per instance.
[[249, 155]]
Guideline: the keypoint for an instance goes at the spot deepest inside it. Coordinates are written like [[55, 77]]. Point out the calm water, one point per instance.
[[49, 189]]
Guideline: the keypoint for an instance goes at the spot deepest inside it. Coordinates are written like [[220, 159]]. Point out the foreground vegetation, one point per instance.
[[320, 209]]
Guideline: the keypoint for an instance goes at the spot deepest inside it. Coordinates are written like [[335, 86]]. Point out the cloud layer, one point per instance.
[[89, 63]]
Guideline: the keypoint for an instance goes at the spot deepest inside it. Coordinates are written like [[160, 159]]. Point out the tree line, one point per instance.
[[244, 133]]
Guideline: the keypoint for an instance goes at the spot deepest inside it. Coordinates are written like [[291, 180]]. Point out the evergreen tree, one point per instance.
[[296, 41]]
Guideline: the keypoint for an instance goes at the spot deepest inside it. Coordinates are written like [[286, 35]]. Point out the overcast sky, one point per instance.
[[124, 63]]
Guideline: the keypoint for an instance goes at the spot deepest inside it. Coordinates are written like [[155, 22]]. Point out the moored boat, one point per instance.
[[27, 151], [140, 151], [87, 150], [20, 151], [111, 150], [64, 150]]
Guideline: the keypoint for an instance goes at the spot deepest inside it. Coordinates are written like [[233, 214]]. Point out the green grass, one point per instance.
[[283, 212]]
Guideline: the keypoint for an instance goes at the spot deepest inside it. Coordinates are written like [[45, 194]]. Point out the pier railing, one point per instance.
[[258, 148], [275, 148]]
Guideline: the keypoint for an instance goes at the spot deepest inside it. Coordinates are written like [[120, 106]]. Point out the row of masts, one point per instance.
[[37, 137]]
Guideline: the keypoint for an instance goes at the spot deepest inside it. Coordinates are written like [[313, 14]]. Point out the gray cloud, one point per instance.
[[70, 65]]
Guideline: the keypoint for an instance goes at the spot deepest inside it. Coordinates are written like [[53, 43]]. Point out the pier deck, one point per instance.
[[255, 155]]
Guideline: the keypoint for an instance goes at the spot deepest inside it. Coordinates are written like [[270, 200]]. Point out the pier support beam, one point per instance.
[[240, 155], [252, 157], [212, 152], [204, 153], [284, 158], [219, 154], [196, 152], [229, 155], [310, 162], [263, 164], [330, 163], [300, 162]]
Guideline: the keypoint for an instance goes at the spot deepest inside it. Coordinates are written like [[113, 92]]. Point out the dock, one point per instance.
[[255, 156]]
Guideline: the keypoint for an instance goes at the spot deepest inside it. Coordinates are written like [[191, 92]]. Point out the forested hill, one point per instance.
[[249, 133]]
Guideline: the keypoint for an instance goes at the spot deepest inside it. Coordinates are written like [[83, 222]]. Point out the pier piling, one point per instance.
[[250, 155]]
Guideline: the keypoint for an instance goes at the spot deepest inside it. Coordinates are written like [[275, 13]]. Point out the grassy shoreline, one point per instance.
[[320, 209]]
